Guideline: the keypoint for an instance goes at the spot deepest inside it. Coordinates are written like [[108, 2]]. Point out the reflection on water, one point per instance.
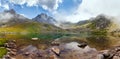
[[99, 42]]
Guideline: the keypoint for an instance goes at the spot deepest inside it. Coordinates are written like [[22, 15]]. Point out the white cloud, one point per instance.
[[5, 6], [45, 4], [4, 17], [28, 2], [92, 8], [0, 4], [50, 4], [95, 7], [7, 16], [23, 15]]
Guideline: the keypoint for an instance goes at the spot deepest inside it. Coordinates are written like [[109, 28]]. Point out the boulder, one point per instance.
[[7, 57], [26, 53], [55, 43], [100, 56], [10, 44], [8, 49], [116, 57], [56, 50], [113, 53], [82, 45], [14, 50], [53, 57], [13, 53], [105, 53]]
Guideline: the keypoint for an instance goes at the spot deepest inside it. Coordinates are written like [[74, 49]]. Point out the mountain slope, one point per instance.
[[17, 25], [44, 18], [99, 22], [10, 17], [28, 28]]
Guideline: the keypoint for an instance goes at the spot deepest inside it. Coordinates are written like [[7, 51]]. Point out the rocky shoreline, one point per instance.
[[72, 50]]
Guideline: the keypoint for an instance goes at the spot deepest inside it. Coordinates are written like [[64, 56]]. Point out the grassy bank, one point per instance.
[[3, 51]]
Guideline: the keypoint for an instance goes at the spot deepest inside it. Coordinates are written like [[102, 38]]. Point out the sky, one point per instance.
[[63, 10]]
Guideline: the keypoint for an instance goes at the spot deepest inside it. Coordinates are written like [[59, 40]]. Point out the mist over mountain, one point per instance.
[[42, 28], [59, 29], [9, 17], [101, 22]]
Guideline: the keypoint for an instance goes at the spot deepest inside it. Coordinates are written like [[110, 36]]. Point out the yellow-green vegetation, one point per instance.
[[28, 27], [2, 41], [31, 29], [100, 32], [98, 36], [24, 32], [99, 42], [99, 39], [3, 51], [82, 26]]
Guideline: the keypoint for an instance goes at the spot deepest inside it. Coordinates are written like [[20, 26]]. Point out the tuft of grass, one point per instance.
[[2, 41], [3, 51]]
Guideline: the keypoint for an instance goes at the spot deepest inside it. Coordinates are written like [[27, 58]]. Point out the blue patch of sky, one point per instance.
[[30, 12], [69, 5]]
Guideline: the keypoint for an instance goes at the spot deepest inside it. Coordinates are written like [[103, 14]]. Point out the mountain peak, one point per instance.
[[44, 18], [9, 17], [101, 22], [12, 11], [43, 14]]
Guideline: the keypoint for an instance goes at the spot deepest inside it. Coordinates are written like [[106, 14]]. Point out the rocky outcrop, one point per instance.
[[113, 53], [100, 22], [72, 50], [12, 49], [63, 51]]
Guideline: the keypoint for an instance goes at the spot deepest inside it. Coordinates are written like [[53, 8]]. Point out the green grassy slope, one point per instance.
[[27, 28]]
